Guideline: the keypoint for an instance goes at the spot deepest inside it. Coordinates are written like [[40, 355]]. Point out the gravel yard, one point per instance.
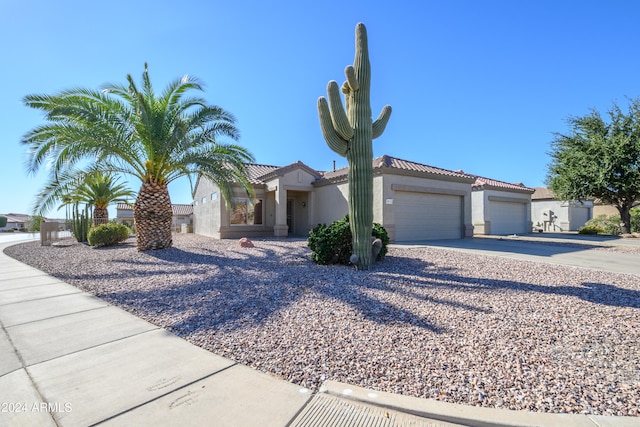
[[426, 322]]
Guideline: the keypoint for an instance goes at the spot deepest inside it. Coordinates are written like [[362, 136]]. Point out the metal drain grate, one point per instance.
[[326, 410]]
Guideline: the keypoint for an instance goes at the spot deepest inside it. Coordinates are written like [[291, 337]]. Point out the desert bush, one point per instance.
[[590, 229], [331, 244], [635, 220], [108, 234], [609, 224]]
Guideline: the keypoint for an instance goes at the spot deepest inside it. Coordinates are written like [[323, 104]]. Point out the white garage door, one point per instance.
[[508, 218], [426, 216], [579, 216]]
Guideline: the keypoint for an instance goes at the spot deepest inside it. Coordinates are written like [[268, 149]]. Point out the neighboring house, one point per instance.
[[601, 209], [182, 215], [550, 214], [16, 221], [124, 214], [411, 200], [500, 207]]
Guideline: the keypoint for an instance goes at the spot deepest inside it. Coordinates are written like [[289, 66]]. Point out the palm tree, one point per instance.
[[157, 139], [94, 188], [100, 190]]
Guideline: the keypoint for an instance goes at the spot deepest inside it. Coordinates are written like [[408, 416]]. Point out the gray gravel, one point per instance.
[[427, 322]]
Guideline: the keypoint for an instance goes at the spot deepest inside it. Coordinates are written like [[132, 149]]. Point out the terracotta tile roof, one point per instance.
[[485, 183], [178, 209], [385, 161], [182, 209], [279, 171], [256, 171]]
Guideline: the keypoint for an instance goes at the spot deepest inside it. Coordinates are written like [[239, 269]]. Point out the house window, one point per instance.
[[247, 213], [196, 203], [204, 199], [214, 196]]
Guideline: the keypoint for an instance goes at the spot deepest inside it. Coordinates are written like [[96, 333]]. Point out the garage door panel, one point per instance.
[[508, 218], [427, 216], [579, 216]]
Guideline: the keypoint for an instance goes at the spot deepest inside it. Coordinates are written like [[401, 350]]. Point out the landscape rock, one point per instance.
[[425, 322], [246, 243]]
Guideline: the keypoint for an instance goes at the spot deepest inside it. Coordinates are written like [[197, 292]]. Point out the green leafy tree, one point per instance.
[[3, 221], [132, 130], [599, 159]]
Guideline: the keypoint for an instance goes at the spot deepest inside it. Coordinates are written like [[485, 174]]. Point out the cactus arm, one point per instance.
[[332, 138], [348, 98], [381, 122], [352, 81], [338, 116]]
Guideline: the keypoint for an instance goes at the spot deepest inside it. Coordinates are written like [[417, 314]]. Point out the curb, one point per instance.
[[471, 416]]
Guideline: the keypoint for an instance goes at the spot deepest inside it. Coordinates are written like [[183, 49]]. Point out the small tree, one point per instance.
[[599, 159], [3, 221], [34, 223], [97, 188]]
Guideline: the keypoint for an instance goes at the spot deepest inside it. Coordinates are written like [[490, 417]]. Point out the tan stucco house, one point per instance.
[[500, 208], [600, 208], [551, 214], [182, 220], [411, 200], [16, 221]]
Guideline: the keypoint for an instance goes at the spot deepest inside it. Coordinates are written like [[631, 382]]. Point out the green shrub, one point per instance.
[[608, 224], [108, 234], [380, 232], [590, 229], [635, 220], [332, 244], [3, 221]]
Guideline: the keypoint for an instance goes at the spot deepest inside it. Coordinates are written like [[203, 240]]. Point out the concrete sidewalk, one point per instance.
[[68, 358]]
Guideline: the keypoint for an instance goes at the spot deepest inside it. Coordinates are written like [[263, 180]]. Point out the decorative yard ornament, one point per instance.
[[350, 134]]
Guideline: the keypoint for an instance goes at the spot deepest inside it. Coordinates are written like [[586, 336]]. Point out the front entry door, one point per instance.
[[290, 215]]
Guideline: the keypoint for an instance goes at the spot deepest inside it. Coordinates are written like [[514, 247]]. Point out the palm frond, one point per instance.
[[128, 129]]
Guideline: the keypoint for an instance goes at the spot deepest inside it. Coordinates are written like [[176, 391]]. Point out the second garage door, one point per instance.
[[579, 215], [508, 218], [427, 216]]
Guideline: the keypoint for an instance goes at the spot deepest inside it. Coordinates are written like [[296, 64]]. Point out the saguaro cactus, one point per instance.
[[350, 134]]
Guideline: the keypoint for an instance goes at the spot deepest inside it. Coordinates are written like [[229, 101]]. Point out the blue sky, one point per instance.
[[477, 86]]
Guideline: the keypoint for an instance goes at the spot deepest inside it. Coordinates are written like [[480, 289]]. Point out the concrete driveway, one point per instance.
[[556, 248]]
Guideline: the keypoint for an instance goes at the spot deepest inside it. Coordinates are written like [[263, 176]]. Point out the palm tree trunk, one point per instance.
[[100, 216], [152, 214]]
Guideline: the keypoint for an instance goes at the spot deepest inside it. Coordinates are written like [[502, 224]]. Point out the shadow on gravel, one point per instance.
[[601, 293], [597, 293], [246, 289], [176, 255]]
